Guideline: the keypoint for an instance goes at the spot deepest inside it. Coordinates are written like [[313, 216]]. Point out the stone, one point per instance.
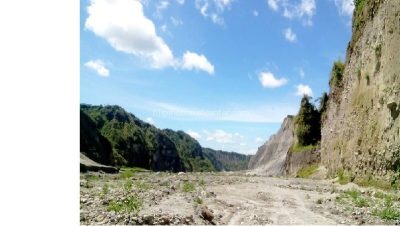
[[206, 213]]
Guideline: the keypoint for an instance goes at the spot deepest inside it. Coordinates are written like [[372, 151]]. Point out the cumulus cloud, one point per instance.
[[290, 35], [273, 4], [125, 27], [194, 61], [213, 9], [98, 66], [345, 7], [304, 90], [180, 2], [268, 80], [193, 134], [303, 10], [220, 136]]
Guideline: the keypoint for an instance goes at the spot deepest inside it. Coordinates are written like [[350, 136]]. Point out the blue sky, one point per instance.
[[225, 71]]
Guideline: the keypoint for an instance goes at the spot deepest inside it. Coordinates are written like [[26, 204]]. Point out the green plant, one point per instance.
[[389, 213], [91, 177], [361, 202], [337, 74], [307, 171], [142, 186], [105, 189], [125, 174], [353, 193], [202, 182], [128, 204], [307, 123], [199, 200], [358, 5], [342, 177], [128, 185], [300, 148], [188, 187]]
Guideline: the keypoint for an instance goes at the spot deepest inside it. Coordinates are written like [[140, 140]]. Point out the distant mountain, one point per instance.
[[227, 161], [112, 136]]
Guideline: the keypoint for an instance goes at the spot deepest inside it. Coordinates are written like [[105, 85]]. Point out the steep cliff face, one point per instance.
[[270, 157], [361, 130]]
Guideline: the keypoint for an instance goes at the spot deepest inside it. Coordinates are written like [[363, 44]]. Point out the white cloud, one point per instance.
[[164, 28], [125, 27], [193, 134], [213, 9], [290, 35], [194, 61], [150, 120], [176, 21], [220, 136], [160, 7], [304, 90], [303, 10], [345, 7], [180, 2], [98, 66], [268, 80], [258, 140], [273, 4], [255, 13]]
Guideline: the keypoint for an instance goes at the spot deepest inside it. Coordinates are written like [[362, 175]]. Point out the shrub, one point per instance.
[[188, 187], [336, 74], [129, 204], [199, 200]]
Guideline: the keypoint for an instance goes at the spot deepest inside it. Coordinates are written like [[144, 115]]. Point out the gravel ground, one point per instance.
[[229, 198]]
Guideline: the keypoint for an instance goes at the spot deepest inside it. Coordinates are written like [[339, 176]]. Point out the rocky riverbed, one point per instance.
[[229, 198]]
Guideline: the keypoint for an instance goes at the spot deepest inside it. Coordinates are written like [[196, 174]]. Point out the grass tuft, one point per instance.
[[188, 187], [129, 204], [307, 171]]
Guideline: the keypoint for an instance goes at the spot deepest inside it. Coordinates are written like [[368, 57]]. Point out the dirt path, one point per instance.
[[266, 202], [230, 198]]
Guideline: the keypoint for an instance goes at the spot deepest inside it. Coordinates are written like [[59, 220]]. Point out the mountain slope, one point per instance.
[[227, 161], [270, 157], [361, 131], [112, 136]]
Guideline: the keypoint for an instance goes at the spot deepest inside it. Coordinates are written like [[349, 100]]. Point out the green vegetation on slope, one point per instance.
[[308, 125], [190, 152], [229, 161], [112, 136]]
